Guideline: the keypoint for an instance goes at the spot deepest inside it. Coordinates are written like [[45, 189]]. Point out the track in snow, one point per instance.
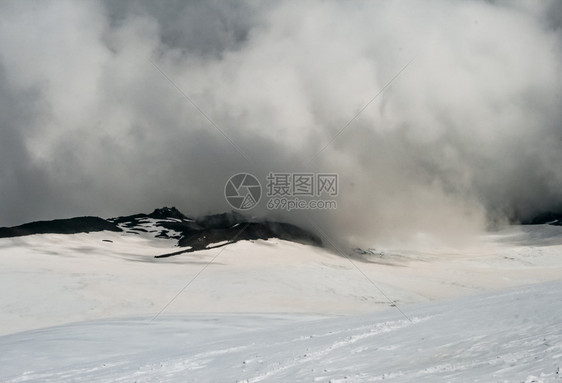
[[509, 336]]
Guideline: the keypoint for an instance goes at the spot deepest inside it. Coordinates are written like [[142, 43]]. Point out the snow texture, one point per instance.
[[82, 308]]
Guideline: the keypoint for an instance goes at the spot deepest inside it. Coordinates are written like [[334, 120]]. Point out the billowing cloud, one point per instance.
[[470, 132]]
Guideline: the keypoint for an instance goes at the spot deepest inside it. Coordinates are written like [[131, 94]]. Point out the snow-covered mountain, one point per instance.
[[169, 223], [96, 305]]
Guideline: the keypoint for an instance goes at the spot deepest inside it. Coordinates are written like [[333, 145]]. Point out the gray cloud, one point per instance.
[[470, 133]]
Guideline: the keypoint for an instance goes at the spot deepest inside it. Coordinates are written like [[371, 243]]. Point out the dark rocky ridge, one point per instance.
[[549, 217], [192, 234], [60, 226], [203, 232]]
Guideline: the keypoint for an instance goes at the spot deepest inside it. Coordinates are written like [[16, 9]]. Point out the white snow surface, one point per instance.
[[76, 308]]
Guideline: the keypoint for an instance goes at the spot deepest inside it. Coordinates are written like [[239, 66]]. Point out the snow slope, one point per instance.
[[513, 336], [56, 279], [272, 310]]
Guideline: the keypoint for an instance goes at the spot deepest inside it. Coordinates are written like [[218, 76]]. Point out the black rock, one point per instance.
[[247, 230], [60, 226], [167, 212], [128, 220], [221, 221], [221, 229], [549, 217]]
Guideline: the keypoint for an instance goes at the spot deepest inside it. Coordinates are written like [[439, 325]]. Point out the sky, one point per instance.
[[440, 118]]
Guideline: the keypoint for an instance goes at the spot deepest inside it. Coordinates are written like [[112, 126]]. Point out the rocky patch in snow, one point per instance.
[[169, 223]]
